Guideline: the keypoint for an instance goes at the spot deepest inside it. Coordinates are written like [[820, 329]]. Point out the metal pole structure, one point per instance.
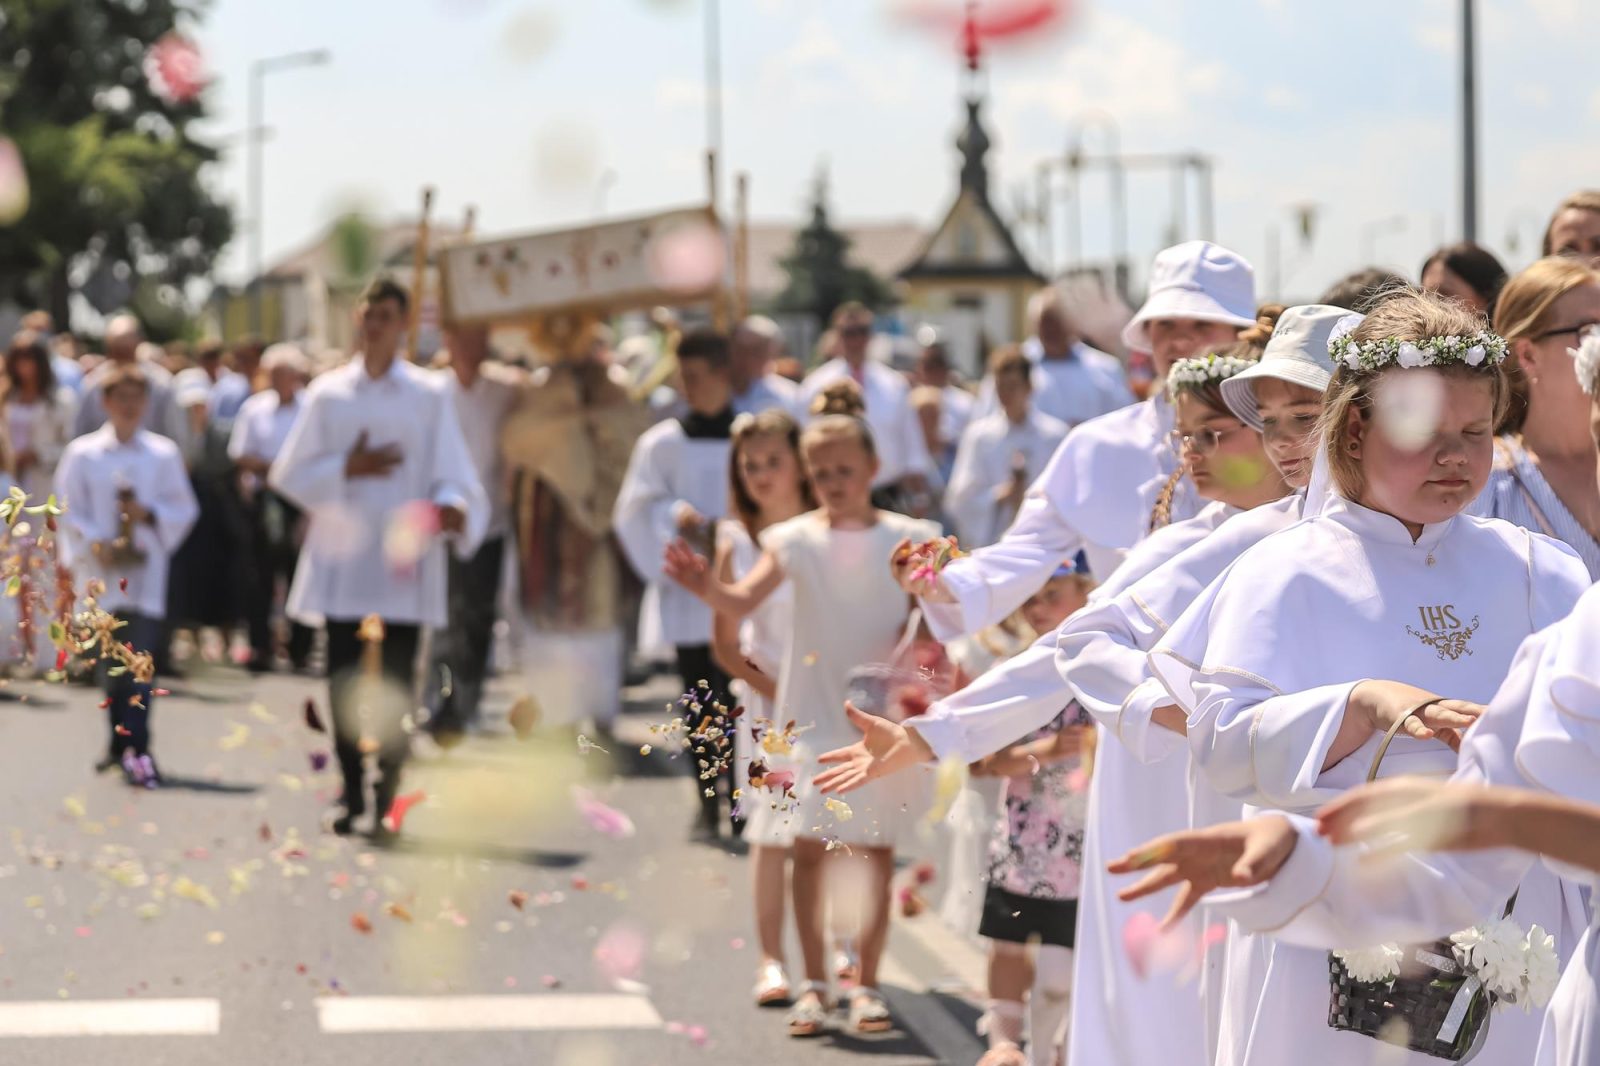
[[741, 246], [253, 139], [259, 69], [1206, 196], [714, 87], [1469, 125], [1180, 201], [1046, 250]]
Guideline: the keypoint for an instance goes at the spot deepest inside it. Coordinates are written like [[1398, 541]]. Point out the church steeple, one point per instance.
[[973, 142]]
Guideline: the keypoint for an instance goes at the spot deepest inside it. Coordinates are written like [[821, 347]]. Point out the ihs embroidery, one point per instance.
[[1443, 632]]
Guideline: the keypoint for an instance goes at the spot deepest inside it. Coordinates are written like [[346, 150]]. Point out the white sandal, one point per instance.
[[810, 1011], [772, 985], [868, 1012]]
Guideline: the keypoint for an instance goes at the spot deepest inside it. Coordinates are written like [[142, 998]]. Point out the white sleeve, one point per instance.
[[995, 580], [917, 459], [969, 499], [309, 470], [643, 517], [81, 526], [1018, 696], [171, 502], [1101, 653], [241, 441]]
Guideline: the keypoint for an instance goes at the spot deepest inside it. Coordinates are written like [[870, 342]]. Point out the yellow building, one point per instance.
[[970, 279]]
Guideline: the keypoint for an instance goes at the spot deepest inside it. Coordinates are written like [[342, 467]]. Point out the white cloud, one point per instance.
[[817, 68], [1531, 94], [1120, 66], [1563, 14], [1283, 98], [674, 93]]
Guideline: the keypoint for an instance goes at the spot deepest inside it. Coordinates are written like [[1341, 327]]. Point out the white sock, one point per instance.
[[1048, 1003], [1002, 1022]]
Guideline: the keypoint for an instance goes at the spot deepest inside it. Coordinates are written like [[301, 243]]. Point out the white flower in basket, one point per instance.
[[1518, 967], [1376, 965]]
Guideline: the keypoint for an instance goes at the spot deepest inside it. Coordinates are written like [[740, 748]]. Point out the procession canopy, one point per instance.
[[568, 440]]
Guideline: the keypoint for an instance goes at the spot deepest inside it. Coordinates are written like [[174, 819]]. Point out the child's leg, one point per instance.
[[809, 871], [768, 866], [1009, 977], [129, 699], [344, 674], [395, 699], [875, 926], [1048, 1005]]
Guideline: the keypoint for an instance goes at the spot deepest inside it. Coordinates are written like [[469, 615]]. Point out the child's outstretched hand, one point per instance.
[[916, 568], [683, 565], [886, 747], [1231, 855]]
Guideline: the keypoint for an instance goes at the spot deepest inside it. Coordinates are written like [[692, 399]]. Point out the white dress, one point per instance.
[[768, 820], [1095, 496], [1128, 803], [1540, 731], [848, 612], [1264, 662]]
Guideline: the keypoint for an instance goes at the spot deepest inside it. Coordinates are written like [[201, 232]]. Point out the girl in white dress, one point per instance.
[[767, 486], [1273, 664], [848, 611]]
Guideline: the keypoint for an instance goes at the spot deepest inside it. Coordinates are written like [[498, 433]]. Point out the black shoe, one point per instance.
[[341, 821], [704, 832], [109, 760]]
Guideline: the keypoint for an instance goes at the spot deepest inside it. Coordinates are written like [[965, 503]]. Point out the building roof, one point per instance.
[[393, 245]]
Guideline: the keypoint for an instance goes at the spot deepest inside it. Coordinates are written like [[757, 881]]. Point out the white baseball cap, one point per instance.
[[1199, 280], [1297, 353]]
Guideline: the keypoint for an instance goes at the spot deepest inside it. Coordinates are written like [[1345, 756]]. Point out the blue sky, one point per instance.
[[520, 107]]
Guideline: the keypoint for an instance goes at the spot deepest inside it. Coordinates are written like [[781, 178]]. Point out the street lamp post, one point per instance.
[[258, 73], [1469, 125]]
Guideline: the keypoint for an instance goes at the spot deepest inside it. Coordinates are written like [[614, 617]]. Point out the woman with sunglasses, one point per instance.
[[1547, 471]]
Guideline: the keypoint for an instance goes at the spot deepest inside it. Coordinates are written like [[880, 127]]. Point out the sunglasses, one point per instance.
[[1576, 330], [855, 331]]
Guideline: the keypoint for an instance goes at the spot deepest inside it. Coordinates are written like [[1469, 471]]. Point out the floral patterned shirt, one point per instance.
[[1037, 848]]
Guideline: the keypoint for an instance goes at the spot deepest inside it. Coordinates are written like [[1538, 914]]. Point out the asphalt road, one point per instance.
[[212, 921]]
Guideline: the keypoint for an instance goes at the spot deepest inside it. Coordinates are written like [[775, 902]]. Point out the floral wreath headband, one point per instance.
[[1205, 370], [1474, 349]]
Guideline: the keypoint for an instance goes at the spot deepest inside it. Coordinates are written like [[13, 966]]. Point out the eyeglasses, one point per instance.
[[1201, 442], [1577, 331], [855, 331]]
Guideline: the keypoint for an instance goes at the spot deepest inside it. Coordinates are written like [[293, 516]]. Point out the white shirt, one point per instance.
[[1086, 384], [896, 432], [991, 448], [768, 392], [1095, 496], [668, 469], [956, 407], [93, 469], [261, 426], [482, 408], [345, 571]]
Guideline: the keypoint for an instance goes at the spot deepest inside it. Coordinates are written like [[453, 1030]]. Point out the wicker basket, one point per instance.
[[1431, 1006], [1428, 1007]]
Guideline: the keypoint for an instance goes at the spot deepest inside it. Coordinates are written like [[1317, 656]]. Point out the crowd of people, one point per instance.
[[1093, 634]]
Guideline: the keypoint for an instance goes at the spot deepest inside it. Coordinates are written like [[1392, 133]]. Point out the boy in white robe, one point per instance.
[[378, 462], [1000, 454], [677, 486], [1071, 381], [128, 506]]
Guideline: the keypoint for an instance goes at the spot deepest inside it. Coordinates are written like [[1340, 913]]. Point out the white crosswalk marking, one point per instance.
[[441, 1014], [114, 1017]]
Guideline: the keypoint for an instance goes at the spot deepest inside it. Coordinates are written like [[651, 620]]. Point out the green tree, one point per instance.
[[820, 274], [115, 174]]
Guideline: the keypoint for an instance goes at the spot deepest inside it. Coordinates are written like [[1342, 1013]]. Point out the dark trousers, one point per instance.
[[128, 702], [383, 693], [273, 555], [461, 649], [695, 665]]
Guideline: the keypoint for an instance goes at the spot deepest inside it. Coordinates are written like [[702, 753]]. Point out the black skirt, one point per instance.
[[1022, 919]]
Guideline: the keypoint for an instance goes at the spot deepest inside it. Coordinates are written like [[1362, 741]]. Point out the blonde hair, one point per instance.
[[1251, 344], [1523, 311], [831, 427], [1582, 200], [1407, 315], [839, 398]]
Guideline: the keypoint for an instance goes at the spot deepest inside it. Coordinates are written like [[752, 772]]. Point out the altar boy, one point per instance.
[[378, 462], [128, 506], [677, 486]]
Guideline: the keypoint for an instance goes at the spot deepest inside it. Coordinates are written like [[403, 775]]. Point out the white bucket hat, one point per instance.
[[1199, 280], [1296, 353]]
